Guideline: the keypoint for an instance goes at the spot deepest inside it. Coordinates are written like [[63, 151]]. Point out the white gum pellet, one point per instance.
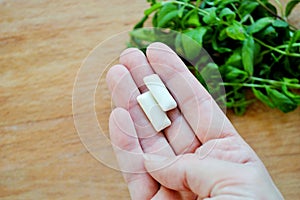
[[160, 92], [155, 114]]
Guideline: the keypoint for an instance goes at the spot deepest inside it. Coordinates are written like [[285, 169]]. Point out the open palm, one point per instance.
[[200, 132]]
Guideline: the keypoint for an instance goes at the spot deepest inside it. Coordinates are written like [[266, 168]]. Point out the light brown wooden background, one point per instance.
[[42, 45]]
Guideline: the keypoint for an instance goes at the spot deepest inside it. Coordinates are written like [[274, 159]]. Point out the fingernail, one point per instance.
[[154, 157]]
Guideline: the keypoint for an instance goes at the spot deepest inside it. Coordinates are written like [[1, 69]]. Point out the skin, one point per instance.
[[200, 156]]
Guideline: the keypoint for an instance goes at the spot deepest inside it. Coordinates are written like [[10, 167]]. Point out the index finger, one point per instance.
[[196, 104]]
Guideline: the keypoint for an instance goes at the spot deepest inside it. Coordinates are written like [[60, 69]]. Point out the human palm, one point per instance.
[[200, 156]]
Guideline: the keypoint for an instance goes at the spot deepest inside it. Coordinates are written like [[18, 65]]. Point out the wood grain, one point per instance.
[[42, 46]]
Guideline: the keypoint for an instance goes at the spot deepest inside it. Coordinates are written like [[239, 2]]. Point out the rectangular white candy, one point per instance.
[[156, 116], [160, 92]]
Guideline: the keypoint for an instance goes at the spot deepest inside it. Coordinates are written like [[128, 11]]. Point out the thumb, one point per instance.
[[188, 172]]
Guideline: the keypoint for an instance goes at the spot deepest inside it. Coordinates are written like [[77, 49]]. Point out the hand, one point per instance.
[[200, 156]]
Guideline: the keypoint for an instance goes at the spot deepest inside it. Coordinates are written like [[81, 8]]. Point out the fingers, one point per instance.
[[136, 63], [188, 173], [198, 107], [181, 137], [179, 134], [233, 149], [211, 177], [165, 193], [130, 155], [124, 92]]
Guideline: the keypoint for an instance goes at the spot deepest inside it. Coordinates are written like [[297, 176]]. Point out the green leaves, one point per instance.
[[234, 74], [253, 48], [166, 14], [247, 7], [196, 34], [263, 98], [227, 15], [191, 42], [260, 24], [294, 39], [192, 19], [211, 18], [290, 6], [248, 55], [235, 59], [281, 101], [153, 8], [236, 31], [280, 24], [275, 99]]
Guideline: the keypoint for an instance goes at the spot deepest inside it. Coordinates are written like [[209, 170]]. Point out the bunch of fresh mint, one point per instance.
[[253, 47]]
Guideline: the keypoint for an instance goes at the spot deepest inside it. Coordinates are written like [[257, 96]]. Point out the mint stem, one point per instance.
[[277, 50]]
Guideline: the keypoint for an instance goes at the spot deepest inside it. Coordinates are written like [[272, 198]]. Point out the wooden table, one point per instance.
[[42, 45]]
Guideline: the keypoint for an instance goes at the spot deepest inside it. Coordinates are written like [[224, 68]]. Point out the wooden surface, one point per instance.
[[42, 45]]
